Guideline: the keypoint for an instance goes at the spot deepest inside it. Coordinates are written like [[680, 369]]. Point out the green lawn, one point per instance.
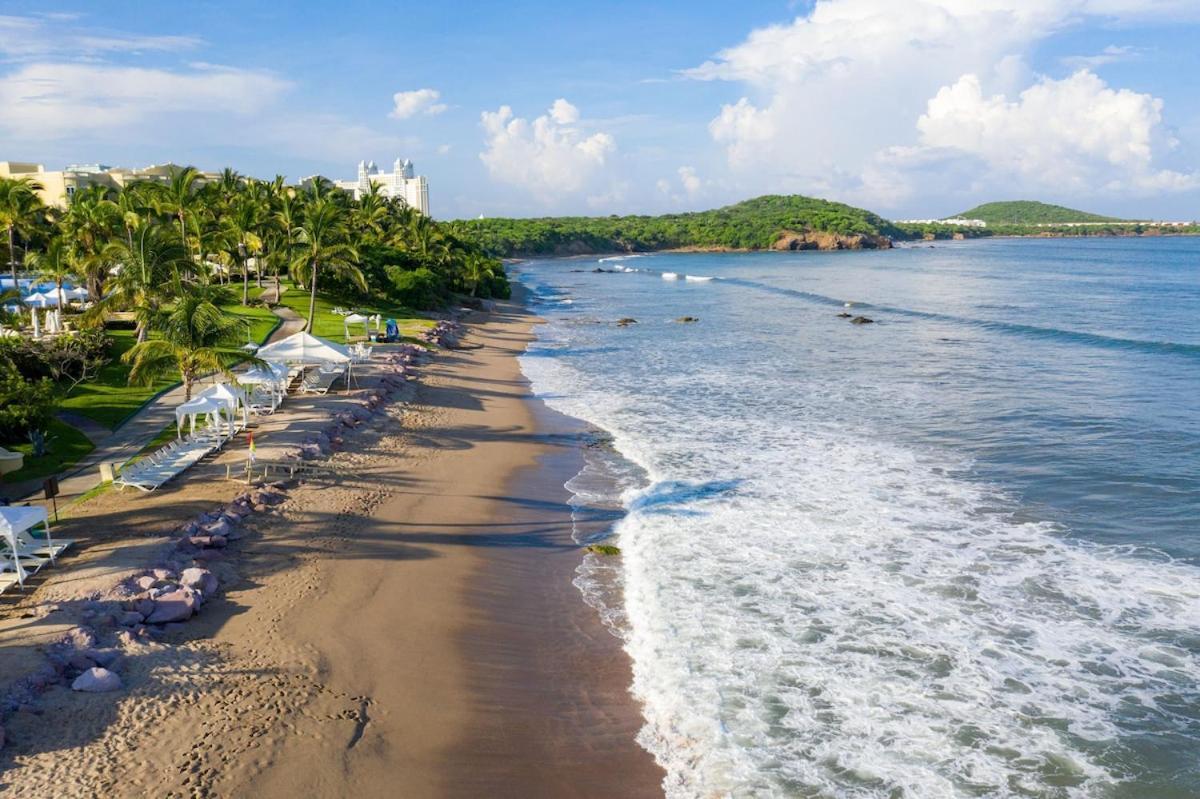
[[329, 325], [110, 399], [65, 446]]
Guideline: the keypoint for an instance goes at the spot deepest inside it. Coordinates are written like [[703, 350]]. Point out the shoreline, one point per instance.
[[410, 630]]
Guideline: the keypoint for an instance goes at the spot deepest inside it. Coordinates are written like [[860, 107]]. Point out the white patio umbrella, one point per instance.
[[39, 299]]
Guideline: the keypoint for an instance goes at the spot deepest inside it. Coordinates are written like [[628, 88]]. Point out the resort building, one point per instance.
[[957, 221], [401, 183], [58, 187]]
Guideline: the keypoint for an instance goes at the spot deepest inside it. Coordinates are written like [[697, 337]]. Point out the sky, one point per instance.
[[912, 108]]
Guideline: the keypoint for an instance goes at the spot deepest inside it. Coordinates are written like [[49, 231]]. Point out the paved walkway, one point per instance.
[[129, 439]]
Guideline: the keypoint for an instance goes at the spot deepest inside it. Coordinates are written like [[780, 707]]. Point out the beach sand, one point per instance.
[[409, 630]]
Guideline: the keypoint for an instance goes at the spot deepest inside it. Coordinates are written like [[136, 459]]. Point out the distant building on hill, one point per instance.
[[955, 221], [401, 183], [58, 187]]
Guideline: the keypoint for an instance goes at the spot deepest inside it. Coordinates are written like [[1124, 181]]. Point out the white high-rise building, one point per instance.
[[401, 183]]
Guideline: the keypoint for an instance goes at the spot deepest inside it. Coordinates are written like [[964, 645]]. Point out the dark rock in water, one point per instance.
[[844, 315], [626, 322], [688, 319], [861, 320], [605, 271]]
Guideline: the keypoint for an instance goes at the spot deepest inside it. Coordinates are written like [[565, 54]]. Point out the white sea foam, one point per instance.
[[618, 258], [698, 278], [670, 275], [812, 610]]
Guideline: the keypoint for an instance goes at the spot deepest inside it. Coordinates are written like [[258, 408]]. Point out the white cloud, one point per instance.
[[690, 180], [50, 35], [444, 149], [549, 157], [418, 101], [832, 99], [1073, 134], [563, 112], [1109, 55], [53, 101]]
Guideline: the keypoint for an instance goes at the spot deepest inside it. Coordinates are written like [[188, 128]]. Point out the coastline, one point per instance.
[[409, 630]]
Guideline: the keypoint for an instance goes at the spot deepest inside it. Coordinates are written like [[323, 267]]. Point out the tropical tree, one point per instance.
[[178, 198], [56, 265], [323, 241], [243, 221], [20, 209], [152, 264], [90, 222], [193, 337]]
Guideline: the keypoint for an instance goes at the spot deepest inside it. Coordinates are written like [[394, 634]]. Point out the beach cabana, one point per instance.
[[304, 349], [232, 398], [199, 406], [356, 319]]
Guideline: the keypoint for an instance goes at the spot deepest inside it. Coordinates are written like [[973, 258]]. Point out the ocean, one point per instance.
[[954, 552]]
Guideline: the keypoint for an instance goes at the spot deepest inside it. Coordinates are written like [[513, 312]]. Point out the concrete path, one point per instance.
[[129, 439]]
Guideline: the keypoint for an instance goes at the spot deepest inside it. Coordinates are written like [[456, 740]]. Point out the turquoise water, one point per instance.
[[951, 553]]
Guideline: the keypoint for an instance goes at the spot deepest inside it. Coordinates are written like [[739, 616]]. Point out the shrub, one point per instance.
[[70, 358], [417, 288], [25, 405]]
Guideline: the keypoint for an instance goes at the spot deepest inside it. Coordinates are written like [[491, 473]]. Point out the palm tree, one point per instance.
[[477, 268], [89, 224], [242, 222], [178, 197], [195, 337], [56, 265], [152, 262], [323, 240], [288, 210], [20, 208]]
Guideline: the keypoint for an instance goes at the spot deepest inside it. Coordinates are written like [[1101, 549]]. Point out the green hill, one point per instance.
[[1029, 212], [774, 221]]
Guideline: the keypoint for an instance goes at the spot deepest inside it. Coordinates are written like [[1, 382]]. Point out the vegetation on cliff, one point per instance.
[[757, 224]]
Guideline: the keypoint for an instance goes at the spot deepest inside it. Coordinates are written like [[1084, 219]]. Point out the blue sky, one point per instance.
[[912, 108]]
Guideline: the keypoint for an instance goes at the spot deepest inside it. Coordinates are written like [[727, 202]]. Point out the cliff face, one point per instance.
[[818, 240]]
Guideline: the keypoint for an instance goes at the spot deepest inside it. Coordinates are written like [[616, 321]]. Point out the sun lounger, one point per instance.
[[319, 382], [8, 580]]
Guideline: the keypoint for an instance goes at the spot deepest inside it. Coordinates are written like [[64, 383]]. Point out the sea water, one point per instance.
[[950, 553]]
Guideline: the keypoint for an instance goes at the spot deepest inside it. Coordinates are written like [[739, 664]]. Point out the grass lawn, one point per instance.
[[65, 446], [110, 399], [329, 325]]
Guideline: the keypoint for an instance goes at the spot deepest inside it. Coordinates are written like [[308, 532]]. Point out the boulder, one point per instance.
[[201, 580], [687, 319], [146, 582], [97, 680], [861, 320], [208, 541], [178, 605], [844, 315], [217, 528], [144, 606], [626, 322], [130, 618]]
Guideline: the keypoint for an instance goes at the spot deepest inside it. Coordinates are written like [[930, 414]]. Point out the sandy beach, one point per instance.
[[407, 630]]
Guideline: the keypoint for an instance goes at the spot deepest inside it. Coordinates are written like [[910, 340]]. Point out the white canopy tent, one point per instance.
[[76, 293], [199, 406], [305, 349], [356, 319], [231, 397]]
